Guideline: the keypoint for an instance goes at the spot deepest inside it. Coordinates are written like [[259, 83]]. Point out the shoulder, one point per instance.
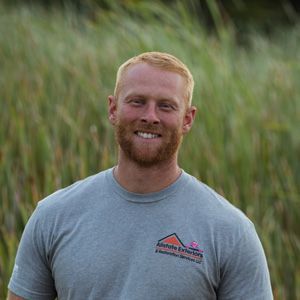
[[211, 206], [79, 191], [223, 227], [70, 202], [63, 208]]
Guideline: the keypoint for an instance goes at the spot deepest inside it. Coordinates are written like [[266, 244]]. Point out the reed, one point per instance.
[[57, 70]]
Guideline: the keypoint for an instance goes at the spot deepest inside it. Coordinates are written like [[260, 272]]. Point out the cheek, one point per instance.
[[127, 114], [174, 121]]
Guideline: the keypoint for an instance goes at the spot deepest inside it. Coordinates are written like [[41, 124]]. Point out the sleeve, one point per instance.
[[31, 277], [245, 273]]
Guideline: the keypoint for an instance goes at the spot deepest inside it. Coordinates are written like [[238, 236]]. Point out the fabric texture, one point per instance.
[[95, 240]]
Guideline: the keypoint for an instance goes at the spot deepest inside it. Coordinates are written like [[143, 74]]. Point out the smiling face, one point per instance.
[[150, 115]]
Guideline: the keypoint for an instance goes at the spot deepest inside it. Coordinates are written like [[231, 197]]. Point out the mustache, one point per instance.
[[149, 127]]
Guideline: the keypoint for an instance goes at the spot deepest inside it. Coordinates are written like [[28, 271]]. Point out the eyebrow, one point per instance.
[[133, 96], [172, 101]]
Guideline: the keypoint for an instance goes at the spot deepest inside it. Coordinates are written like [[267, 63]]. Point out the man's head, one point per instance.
[[151, 108], [160, 60]]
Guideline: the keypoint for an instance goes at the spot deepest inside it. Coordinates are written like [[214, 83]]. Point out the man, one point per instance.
[[144, 229]]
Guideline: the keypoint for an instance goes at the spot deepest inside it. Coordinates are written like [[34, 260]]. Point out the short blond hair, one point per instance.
[[163, 61]]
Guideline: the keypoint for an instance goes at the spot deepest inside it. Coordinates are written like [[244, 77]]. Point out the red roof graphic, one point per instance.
[[172, 239]]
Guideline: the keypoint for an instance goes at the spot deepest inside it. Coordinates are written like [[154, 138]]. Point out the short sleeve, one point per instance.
[[245, 274], [31, 277]]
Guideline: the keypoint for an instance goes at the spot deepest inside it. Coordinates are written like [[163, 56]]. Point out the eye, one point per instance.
[[136, 101], [166, 106]]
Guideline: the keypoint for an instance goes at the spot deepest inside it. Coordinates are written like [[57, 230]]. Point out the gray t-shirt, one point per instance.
[[95, 240]]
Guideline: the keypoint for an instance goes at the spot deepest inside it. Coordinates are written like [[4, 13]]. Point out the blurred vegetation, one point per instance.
[[246, 15], [58, 67]]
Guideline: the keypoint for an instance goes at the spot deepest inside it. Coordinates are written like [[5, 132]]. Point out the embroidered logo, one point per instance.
[[172, 245]]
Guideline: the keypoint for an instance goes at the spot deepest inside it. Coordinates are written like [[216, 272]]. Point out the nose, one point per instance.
[[150, 114]]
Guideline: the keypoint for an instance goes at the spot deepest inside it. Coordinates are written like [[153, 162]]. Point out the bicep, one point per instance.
[[245, 274], [32, 277], [12, 296]]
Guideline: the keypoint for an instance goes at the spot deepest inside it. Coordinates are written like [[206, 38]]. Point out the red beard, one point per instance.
[[147, 155]]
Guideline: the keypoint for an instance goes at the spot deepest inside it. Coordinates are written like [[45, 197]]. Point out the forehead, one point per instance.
[[145, 76]]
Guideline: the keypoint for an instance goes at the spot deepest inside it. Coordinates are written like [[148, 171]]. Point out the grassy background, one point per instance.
[[57, 69]]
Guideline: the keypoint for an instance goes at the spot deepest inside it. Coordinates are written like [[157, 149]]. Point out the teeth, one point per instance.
[[147, 135]]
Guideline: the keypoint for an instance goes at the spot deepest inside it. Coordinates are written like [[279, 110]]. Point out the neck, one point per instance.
[[139, 179]]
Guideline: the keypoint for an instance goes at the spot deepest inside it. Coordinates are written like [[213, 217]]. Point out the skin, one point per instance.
[[12, 296], [150, 100]]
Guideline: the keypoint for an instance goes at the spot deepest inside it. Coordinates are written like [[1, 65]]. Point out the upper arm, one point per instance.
[[12, 296], [32, 277], [245, 274]]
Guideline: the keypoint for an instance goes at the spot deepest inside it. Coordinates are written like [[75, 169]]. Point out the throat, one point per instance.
[[146, 180]]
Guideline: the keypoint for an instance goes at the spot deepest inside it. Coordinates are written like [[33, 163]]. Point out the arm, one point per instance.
[[31, 277], [12, 296], [245, 273]]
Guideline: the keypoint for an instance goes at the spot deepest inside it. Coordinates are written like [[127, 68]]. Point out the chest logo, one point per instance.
[[172, 245]]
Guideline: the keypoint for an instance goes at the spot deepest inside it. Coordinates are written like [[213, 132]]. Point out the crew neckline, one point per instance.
[[178, 184]]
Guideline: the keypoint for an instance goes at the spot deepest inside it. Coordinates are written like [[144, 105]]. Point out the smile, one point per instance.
[[147, 135]]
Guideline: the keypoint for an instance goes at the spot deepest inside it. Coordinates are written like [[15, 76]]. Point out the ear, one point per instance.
[[112, 109], [189, 119]]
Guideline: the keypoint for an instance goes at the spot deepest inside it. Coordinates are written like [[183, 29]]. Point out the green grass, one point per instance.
[[57, 70]]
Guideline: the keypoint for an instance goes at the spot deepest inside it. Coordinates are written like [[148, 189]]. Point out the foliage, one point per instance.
[[57, 70]]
